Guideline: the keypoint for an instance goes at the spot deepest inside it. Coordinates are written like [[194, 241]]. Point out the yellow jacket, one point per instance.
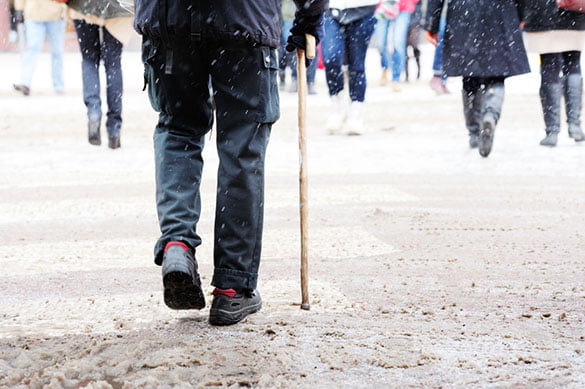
[[40, 10]]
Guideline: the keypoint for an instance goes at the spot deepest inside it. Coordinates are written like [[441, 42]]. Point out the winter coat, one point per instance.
[[105, 9], [251, 21], [345, 4], [120, 28], [40, 10], [407, 5], [482, 38], [288, 9], [545, 15]]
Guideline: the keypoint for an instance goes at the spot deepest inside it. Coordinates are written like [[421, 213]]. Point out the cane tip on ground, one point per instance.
[[305, 306]]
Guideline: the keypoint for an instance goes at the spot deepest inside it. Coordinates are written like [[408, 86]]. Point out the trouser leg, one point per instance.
[[112, 56], [400, 39], [185, 116], [245, 85], [88, 37], [357, 35], [35, 36], [56, 34], [333, 52]]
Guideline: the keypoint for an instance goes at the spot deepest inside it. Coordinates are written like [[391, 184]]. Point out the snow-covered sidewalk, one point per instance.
[[430, 266]]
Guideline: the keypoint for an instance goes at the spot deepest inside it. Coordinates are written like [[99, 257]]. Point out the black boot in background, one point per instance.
[[472, 107], [550, 98], [114, 142], [93, 132], [492, 108], [573, 104]]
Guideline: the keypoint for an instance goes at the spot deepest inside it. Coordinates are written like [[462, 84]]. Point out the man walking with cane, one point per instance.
[[232, 45]]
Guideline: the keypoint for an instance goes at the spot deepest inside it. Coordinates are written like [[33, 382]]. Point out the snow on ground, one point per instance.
[[430, 266]]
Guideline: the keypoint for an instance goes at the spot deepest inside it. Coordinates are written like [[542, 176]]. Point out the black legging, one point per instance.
[[472, 85], [553, 64]]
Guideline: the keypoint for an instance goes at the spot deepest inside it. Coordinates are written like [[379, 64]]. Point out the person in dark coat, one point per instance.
[[483, 44], [231, 46], [558, 36]]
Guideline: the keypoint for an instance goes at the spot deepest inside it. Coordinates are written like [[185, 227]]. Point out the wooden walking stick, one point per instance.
[[303, 176]]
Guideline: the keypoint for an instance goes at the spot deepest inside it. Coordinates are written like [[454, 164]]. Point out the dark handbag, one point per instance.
[[572, 5]]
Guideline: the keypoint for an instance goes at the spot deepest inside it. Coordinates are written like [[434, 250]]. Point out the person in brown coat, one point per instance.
[[41, 18]]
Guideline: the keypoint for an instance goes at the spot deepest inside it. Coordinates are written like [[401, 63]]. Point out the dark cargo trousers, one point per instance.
[[243, 79]]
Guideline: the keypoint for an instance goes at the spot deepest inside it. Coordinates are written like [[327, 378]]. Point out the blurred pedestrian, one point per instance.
[[413, 41], [483, 44], [398, 29], [348, 28], [41, 18], [233, 45], [558, 36], [101, 40], [289, 59], [285, 58], [439, 80]]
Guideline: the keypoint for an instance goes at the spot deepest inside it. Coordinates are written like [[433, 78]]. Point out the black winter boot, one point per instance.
[[472, 106], [114, 142], [550, 98], [492, 108], [182, 285], [281, 80], [573, 104], [93, 132]]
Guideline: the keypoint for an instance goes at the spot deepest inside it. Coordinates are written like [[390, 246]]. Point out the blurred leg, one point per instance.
[[56, 34], [112, 54], [88, 37], [381, 32], [401, 24], [357, 37], [35, 37], [333, 47]]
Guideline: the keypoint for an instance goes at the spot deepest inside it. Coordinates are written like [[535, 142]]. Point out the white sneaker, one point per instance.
[[355, 119], [338, 114]]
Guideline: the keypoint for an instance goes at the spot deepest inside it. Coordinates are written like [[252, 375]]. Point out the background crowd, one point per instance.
[[484, 42], [101, 35]]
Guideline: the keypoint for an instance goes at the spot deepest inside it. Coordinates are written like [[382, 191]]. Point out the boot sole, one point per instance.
[[182, 292], [220, 317]]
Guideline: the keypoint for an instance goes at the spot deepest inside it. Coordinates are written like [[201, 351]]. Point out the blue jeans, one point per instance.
[[399, 28], [438, 60], [35, 37], [284, 57], [92, 51], [289, 59], [347, 42]]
